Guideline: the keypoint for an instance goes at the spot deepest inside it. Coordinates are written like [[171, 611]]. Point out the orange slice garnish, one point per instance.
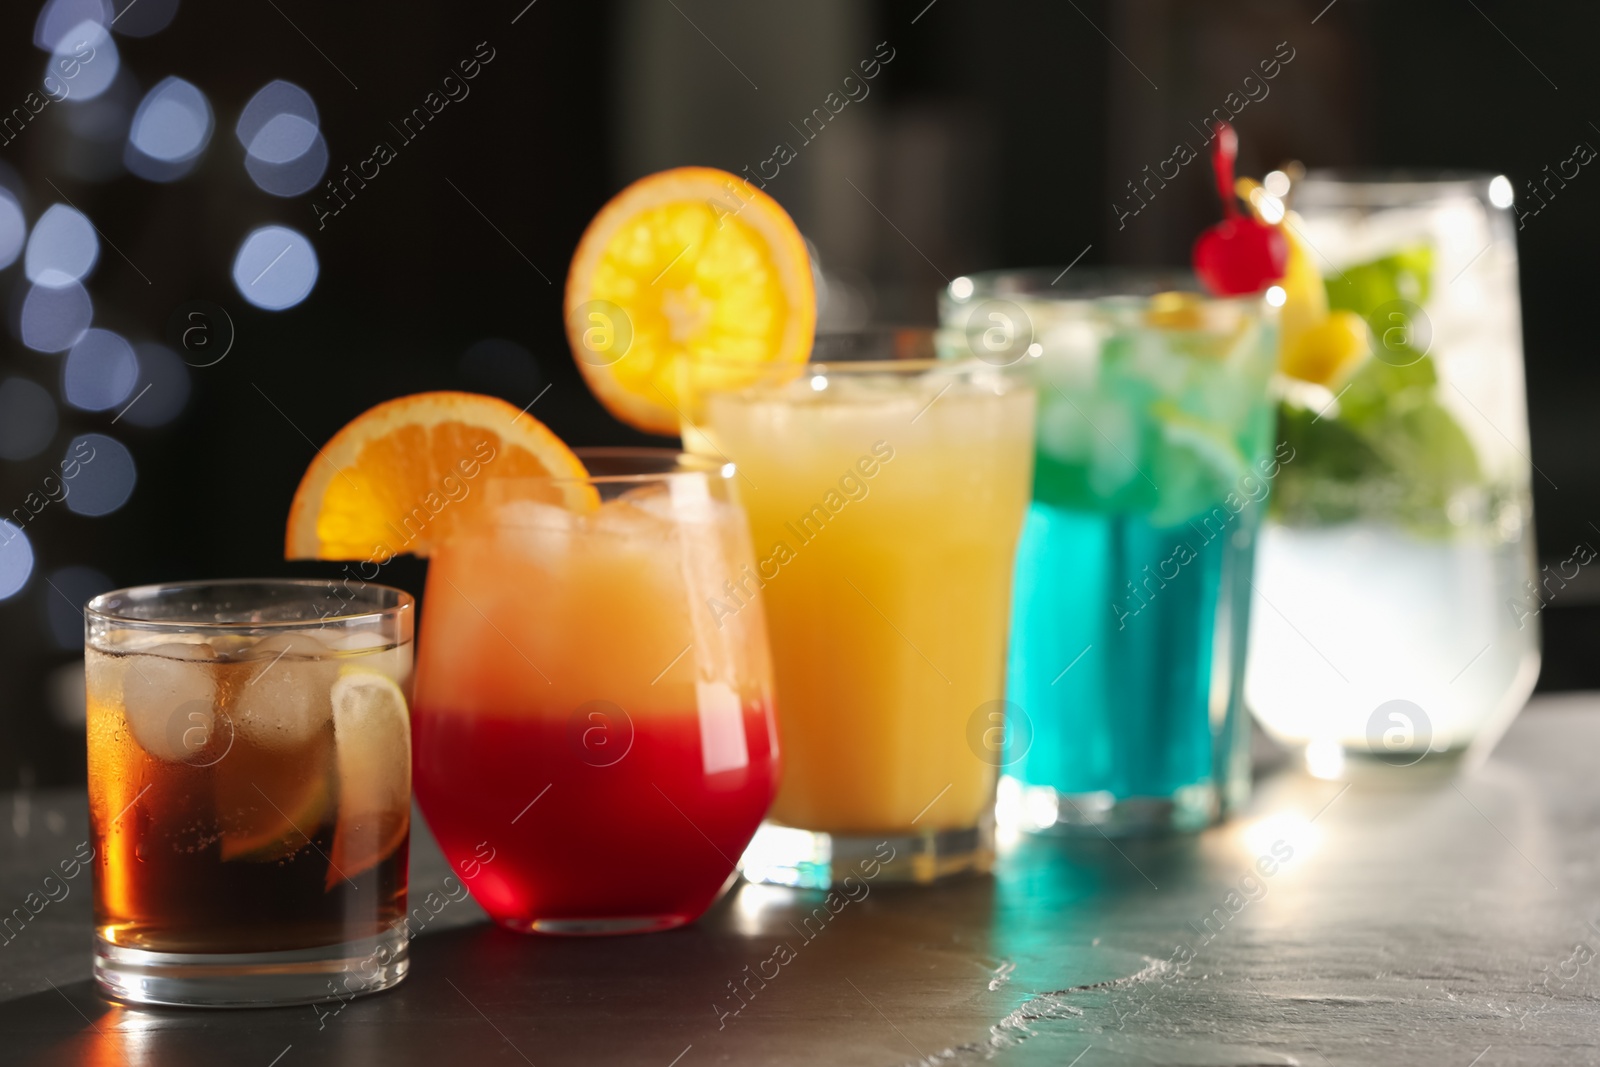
[[689, 266], [402, 476]]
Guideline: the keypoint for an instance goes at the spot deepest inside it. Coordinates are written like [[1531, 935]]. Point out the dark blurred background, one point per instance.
[[994, 134]]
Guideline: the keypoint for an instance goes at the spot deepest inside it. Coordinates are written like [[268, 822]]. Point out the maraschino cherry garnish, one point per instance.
[[1238, 255]]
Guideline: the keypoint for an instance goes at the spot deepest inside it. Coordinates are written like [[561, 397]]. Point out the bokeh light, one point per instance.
[[53, 318], [1501, 194], [16, 559], [163, 387], [100, 371], [142, 18], [276, 268], [298, 175], [271, 100], [83, 62], [13, 229], [68, 695], [62, 248], [68, 588], [283, 138], [170, 131], [105, 477], [27, 419], [285, 153], [59, 17]]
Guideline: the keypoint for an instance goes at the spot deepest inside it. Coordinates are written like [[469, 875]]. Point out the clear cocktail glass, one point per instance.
[[249, 790], [595, 735], [1132, 587], [886, 489], [1399, 560]]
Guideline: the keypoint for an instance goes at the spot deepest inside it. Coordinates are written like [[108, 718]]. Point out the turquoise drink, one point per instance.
[[1131, 604]]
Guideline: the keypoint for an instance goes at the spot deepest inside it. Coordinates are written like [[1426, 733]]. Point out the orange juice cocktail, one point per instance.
[[885, 502]]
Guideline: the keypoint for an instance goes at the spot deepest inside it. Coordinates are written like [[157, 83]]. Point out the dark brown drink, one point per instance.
[[250, 808]]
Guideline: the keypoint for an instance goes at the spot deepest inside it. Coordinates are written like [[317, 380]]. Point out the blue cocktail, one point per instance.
[[1132, 595]]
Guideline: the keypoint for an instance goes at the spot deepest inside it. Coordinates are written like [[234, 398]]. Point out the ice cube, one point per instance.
[[1071, 356], [690, 499], [129, 640], [537, 529], [356, 640], [230, 646], [285, 702], [663, 499], [518, 514], [1064, 433], [1114, 448], [299, 645], [649, 512], [169, 698]]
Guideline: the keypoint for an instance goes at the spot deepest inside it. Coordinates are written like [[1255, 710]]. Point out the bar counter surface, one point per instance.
[[1414, 917]]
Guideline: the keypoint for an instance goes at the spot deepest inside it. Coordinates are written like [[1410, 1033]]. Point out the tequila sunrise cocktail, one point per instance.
[[885, 497], [584, 711]]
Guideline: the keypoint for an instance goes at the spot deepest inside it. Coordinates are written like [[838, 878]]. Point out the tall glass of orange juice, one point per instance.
[[886, 493]]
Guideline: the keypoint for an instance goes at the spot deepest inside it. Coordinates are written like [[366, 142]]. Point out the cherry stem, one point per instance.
[[1224, 150]]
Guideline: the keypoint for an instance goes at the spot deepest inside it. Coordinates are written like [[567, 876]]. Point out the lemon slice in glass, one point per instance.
[[372, 746]]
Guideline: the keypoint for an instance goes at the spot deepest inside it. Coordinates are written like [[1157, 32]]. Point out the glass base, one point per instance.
[[251, 979], [628, 924], [811, 859], [1042, 809], [1333, 761]]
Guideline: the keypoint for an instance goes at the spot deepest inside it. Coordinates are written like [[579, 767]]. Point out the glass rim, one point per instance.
[[754, 373], [682, 464], [99, 607], [1397, 175], [1355, 187], [1115, 287], [770, 382], [924, 338], [901, 366]]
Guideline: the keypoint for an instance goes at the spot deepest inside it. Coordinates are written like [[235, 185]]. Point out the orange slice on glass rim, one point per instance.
[[682, 270], [403, 475]]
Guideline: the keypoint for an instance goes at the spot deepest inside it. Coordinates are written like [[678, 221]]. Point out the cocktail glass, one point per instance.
[[886, 490], [1132, 596], [1399, 560], [595, 738], [249, 790]]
